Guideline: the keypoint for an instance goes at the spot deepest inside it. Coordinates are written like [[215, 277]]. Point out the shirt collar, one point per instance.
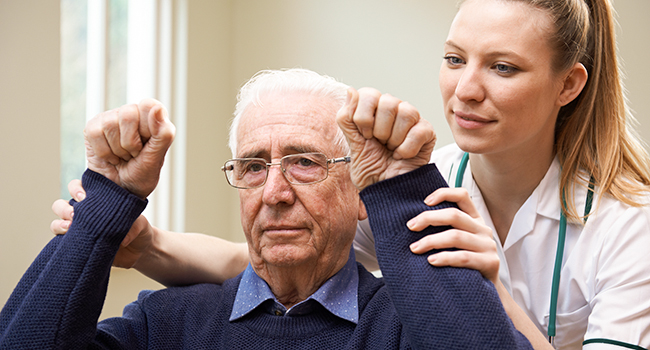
[[548, 202], [543, 201], [339, 295]]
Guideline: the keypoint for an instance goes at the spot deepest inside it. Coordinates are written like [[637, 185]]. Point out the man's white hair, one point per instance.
[[286, 81]]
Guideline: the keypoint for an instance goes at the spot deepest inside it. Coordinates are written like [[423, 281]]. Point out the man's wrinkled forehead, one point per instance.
[[285, 128]]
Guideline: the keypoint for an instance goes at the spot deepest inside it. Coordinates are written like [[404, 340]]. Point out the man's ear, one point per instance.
[[362, 211], [573, 84]]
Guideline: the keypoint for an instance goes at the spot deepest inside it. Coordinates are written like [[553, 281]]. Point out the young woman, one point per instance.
[[554, 185]]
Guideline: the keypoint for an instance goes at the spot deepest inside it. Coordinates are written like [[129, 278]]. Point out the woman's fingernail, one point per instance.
[[81, 196], [411, 223], [414, 245], [432, 259]]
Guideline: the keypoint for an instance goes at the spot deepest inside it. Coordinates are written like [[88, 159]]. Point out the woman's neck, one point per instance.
[[506, 181]]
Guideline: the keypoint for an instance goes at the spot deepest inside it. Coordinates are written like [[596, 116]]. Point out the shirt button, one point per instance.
[[278, 313]]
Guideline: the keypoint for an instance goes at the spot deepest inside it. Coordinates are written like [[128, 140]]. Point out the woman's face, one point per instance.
[[499, 91]]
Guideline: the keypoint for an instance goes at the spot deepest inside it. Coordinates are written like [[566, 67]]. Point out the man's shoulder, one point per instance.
[[371, 289], [377, 313], [195, 297], [174, 316]]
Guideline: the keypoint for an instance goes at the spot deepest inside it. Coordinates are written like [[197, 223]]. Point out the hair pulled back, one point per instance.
[[592, 135]]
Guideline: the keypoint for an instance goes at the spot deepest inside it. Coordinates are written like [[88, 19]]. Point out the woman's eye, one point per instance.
[[453, 60], [504, 69]]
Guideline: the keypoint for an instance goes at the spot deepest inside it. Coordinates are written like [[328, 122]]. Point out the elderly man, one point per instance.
[[299, 209]]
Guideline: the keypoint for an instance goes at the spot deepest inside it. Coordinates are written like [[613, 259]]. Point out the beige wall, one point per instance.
[[634, 50], [29, 132], [393, 46]]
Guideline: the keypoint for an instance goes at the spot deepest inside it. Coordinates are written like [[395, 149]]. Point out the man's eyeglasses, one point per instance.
[[298, 169]]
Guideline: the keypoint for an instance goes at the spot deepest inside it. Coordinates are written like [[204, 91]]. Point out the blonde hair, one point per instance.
[[592, 135]]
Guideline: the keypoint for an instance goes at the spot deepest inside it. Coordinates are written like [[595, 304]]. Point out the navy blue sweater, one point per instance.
[[58, 301]]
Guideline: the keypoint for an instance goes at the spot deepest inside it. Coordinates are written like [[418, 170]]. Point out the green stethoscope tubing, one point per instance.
[[559, 254]]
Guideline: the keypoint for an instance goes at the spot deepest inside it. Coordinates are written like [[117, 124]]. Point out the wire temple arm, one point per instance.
[[345, 159]]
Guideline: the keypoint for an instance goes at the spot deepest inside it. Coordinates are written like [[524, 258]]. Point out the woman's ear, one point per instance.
[[362, 211], [573, 84]]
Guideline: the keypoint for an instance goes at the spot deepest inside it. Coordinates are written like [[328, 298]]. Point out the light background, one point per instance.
[[394, 46]]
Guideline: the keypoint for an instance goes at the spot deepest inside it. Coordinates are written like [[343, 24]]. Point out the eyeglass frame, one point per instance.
[[345, 159]]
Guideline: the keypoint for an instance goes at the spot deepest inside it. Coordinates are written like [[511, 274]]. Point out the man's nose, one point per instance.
[[277, 189]]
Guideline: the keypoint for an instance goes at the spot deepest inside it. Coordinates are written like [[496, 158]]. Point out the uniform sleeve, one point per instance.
[[447, 308], [364, 246], [59, 299], [620, 315]]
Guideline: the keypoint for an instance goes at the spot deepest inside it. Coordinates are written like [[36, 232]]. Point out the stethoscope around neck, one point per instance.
[[559, 254]]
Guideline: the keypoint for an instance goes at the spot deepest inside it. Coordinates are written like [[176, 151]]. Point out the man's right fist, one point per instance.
[[128, 145]]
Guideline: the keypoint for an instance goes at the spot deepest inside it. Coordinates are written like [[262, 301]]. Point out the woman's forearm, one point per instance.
[[187, 258], [521, 320]]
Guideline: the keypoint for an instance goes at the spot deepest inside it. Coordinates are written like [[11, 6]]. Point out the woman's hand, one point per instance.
[[64, 210], [170, 258], [477, 249]]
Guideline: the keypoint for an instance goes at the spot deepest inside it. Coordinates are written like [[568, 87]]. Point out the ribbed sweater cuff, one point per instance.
[[108, 211], [403, 194]]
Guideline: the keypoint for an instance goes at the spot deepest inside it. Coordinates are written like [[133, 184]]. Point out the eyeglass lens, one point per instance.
[[302, 168]]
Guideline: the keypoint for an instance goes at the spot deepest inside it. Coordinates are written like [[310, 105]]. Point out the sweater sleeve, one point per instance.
[[443, 307], [59, 299]]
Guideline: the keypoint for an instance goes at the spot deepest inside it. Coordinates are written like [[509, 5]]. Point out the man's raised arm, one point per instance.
[[440, 307], [58, 301]]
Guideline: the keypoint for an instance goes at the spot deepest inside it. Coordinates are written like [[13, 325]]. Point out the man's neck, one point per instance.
[[295, 283]]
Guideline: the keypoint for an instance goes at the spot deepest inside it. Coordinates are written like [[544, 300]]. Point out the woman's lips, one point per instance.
[[470, 121]]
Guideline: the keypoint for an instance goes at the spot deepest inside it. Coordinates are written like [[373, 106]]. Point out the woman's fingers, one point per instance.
[[474, 251], [454, 238], [486, 264], [76, 190], [471, 240], [59, 227], [446, 217], [459, 195], [62, 209]]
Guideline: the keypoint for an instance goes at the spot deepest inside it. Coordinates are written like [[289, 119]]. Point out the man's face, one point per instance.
[[289, 225]]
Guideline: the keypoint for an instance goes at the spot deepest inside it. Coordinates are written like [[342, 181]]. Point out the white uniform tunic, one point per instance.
[[604, 294]]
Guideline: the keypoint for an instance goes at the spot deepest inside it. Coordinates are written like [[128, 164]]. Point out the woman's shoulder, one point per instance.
[[613, 219], [606, 205]]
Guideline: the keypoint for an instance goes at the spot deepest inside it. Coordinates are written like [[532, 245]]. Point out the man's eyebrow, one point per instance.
[[254, 154], [300, 149], [292, 149]]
